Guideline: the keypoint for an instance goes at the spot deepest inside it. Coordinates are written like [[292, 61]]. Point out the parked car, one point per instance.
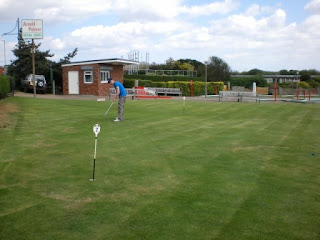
[[26, 84]]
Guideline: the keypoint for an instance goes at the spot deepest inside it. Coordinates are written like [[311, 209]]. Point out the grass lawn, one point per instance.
[[213, 171]]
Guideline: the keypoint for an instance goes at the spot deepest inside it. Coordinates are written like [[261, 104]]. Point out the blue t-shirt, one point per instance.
[[121, 88]]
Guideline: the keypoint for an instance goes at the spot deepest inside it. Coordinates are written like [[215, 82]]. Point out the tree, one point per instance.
[[197, 66], [186, 66], [218, 70], [305, 77], [170, 61], [255, 71], [284, 72], [22, 66], [57, 69]]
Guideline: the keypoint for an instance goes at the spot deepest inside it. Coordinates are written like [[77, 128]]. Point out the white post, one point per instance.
[[96, 130]]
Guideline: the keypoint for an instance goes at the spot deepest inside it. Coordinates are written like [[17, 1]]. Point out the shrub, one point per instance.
[[288, 85], [248, 81], [314, 84], [304, 85], [162, 78], [198, 87], [4, 86], [129, 83]]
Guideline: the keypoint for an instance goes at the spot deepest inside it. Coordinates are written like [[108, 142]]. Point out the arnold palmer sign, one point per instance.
[[32, 29]]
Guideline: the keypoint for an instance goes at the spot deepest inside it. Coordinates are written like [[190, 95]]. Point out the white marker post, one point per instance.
[[184, 103], [96, 130]]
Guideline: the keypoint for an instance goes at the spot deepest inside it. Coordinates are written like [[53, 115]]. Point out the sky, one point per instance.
[[270, 35]]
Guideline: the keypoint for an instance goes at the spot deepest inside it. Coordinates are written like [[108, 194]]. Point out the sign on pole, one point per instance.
[[96, 130], [32, 29]]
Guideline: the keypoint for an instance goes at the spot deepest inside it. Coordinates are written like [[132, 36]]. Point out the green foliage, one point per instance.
[[129, 83], [198, 87], [248, 81], [315, 82], [180, 64], [22, 66], [304, 85], [317, 79], [287, 85], [217, 70], [4, 86], [255, 71], [186, 66], [286, 72], [305, 77], [162, 78]]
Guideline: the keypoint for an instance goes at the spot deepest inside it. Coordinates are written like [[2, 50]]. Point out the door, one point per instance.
[[73, 77]]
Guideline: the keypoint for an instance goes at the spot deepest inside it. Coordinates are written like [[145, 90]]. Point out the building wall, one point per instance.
[[96, 87]]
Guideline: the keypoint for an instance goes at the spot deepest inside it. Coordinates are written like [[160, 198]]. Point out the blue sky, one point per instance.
[[269, 35]]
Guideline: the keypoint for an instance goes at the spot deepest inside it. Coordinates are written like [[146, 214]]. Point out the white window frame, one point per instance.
[[104, 75], [87, 73]]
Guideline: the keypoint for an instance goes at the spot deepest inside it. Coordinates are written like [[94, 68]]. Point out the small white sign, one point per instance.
[[101, 99], [32, 29], [96, 129]]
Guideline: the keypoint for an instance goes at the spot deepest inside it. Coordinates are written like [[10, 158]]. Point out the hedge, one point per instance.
[[163, 78], [198, 87], [304, 85], [248, 81], [4, 86]]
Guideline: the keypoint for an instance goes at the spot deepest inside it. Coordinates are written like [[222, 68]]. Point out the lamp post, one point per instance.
[[206, 79]]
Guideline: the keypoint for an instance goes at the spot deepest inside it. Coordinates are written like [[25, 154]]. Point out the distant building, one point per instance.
[[1, 70], [90, 77], [281, 78], [274, 78]]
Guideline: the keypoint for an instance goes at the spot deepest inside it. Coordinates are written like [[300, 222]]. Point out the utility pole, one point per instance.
[[33, 69]]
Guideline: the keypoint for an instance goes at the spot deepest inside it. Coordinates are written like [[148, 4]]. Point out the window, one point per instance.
[[88, 77], [104, 75]]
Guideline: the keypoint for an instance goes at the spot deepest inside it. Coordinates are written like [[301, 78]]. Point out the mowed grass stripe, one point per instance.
[[212, 171]]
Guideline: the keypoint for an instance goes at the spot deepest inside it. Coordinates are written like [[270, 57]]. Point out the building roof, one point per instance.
[[112, 61]]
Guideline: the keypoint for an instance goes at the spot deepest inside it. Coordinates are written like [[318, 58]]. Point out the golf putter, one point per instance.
[[109, 108]]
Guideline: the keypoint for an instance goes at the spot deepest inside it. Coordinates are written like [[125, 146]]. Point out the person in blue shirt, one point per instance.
[[121, 95]]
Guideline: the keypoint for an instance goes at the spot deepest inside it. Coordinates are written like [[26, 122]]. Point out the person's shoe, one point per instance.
[[117, 120]]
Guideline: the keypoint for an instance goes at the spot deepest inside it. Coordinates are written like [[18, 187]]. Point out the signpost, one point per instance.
[[96, 130], [32, 29]]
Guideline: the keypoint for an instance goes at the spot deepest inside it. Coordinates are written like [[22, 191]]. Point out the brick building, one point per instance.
[[90, 77]]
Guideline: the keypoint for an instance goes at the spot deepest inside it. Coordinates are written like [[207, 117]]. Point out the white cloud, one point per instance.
[[130, 10], [313, 6], [211, 8], [53, 10], [256, 10]]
